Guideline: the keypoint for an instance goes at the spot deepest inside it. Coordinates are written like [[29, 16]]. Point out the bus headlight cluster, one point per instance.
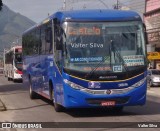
[[139, 83], [73, 85], [125, 90], [112, 91]]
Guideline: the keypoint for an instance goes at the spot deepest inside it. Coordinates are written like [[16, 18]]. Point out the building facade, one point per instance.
[[152, 21]]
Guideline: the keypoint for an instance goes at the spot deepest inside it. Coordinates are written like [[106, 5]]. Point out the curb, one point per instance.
[[2, 106]]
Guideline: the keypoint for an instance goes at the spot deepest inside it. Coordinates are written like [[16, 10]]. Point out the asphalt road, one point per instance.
[[20, 108]]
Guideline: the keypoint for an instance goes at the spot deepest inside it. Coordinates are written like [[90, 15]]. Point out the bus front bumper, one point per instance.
[[79, 99], [17, 76]]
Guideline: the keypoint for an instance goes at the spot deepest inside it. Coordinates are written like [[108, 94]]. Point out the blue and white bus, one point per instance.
[[87, 59]]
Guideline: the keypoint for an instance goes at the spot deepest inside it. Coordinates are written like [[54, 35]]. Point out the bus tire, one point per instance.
[[32, 94], [57, 107]]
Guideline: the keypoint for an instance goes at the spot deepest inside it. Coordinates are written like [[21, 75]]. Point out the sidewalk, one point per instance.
[[153, 91], [2, 106]]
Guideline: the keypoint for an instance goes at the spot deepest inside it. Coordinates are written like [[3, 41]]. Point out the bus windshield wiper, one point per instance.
[[98, 65], [113, 49]]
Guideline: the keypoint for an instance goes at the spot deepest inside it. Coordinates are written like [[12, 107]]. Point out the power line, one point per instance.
[[104, 3], [68, 4], [117, 5], [130, 2], [140, 3]]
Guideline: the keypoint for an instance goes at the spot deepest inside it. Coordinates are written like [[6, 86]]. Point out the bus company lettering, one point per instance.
[[84, 31], [91, 45], [133, 60], [93, 84], [86, 59], [98, 68], [133, 57]]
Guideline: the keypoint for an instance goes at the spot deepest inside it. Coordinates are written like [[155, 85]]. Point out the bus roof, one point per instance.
[[91, 15], [96, 15], [13, 48]]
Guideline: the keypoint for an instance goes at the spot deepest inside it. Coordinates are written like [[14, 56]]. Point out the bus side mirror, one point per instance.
[[146, 37], [145, 33]]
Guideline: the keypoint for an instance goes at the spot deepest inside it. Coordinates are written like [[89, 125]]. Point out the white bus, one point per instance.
[[13, 63]]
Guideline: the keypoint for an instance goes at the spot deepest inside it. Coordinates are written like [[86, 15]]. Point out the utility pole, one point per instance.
[[84, 6], [1, 4], [64, 5], [104, 3], [117, 5]]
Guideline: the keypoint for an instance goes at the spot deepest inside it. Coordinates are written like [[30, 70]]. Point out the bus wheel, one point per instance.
[[57, 107], [32, 94]]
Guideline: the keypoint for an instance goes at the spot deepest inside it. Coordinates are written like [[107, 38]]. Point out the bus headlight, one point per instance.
[[73, 85], [139, 83]]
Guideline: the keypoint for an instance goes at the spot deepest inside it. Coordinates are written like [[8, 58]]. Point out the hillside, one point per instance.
[[11, 27]]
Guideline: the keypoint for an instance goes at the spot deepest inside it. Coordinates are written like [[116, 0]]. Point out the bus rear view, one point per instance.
[[98, 60], [13, 63]]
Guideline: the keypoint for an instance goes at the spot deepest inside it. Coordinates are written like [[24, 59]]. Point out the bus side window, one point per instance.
[[48, 40], [42, 49], [37, 41], [11, 54]]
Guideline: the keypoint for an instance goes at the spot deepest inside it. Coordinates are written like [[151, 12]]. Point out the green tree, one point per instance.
[[1, 4]]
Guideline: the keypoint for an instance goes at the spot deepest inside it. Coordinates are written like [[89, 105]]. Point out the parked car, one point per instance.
[[153, 77]]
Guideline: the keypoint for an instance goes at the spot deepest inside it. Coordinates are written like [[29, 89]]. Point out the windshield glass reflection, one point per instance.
[[110, 46]]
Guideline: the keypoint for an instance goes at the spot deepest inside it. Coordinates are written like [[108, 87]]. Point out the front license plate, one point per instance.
[[108, 103]]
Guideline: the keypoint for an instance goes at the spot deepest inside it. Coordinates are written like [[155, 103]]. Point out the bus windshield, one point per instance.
[[18, 61], [107, 46]]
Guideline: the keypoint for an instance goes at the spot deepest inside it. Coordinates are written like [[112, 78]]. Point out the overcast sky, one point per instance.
[[37, 10]]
